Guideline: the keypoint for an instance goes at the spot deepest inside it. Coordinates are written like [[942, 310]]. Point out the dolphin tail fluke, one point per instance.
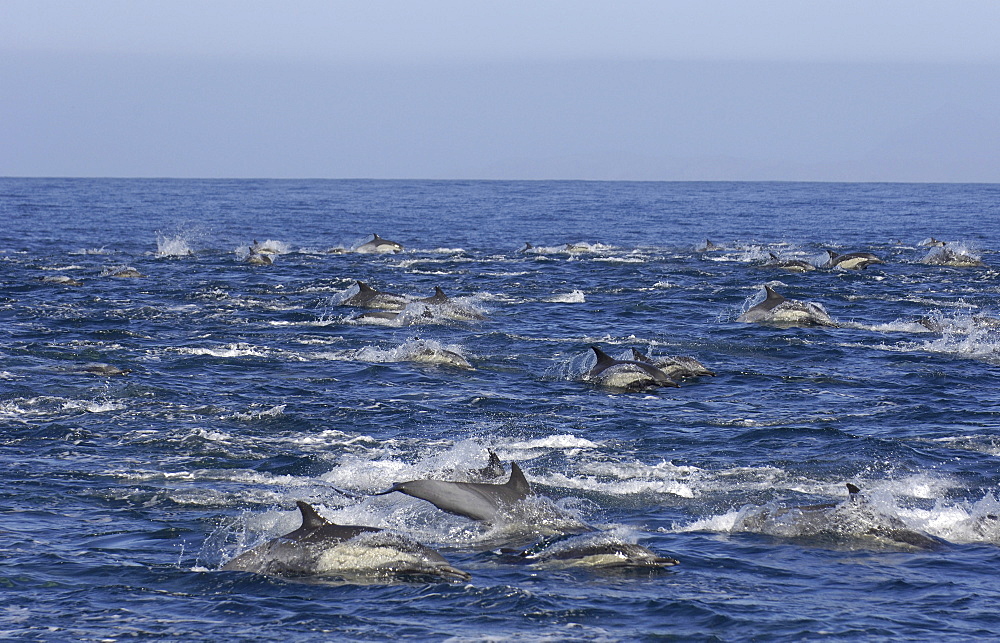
[[310, 518], [517, 480]]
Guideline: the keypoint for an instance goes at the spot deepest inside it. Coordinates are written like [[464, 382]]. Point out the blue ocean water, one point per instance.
[[253, 386]]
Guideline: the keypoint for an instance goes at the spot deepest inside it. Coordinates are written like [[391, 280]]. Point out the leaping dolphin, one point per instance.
[[378, 244], [851, 260], [626, 374], [475, 500], [776, 309], [320, 547]]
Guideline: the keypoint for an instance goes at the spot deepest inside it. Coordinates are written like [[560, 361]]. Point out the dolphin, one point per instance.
[[791, 265], [126, 272], [322, 548], [441, 357], [475, 500], [626, 374], [946, 256], [61, 280], [449, 308], [677, 366], [851, 260], [592, 549], [368, 297], [379, 245], [851, 521], [257, 256], [776, 309], [99, 368]]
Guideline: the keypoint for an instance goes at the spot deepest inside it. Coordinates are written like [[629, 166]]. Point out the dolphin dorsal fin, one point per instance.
[[517, 480], [603, 359], [854, 490], [363, 287], [311, 519], [773, 298], [377, 238], [639, 356]]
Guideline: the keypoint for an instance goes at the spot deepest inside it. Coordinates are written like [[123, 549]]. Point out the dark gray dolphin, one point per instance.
[[302, 552], [626, 374], [851, 260], [368, 297], [675, 366], [378, 244], [475, 500]]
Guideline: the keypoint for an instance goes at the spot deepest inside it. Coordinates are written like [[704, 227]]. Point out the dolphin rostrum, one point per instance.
[[320, 547], [475, 500], [626, 374]]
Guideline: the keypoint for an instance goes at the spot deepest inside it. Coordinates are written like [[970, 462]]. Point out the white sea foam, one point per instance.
[[573, 297], [172, 246]]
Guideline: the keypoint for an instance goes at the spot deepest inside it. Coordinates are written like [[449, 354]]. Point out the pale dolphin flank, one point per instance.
[[475, 500], [368, 297], [378, 244], [430, 353], [851, 260], [320, 547], [594, 550], [791, 265], [675, 366], [626, 374], [776, 309], [61, 280]]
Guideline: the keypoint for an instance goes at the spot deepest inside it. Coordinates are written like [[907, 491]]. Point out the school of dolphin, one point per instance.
[[499, 492]]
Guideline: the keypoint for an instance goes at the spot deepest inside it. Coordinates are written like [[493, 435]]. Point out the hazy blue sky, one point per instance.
[[724, 89]]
